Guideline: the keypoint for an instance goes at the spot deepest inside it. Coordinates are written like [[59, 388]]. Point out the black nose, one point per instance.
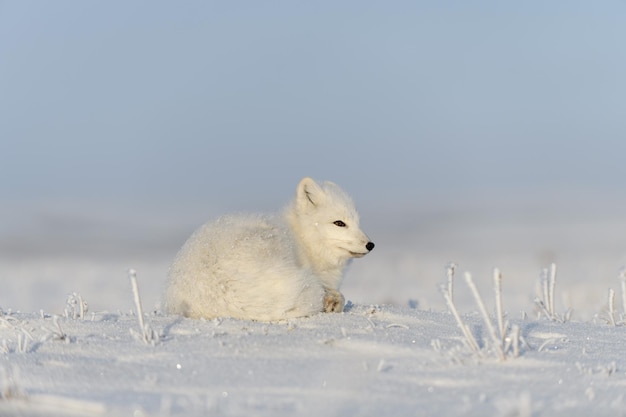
[[369, 246]]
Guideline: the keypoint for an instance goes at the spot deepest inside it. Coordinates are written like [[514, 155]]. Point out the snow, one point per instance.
[[395, 350], [369, 360]]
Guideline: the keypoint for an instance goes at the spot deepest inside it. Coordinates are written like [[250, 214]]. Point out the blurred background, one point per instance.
[[489, 134]]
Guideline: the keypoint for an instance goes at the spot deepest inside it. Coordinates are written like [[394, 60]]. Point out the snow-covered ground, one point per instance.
[[370, 360], [396, 350]]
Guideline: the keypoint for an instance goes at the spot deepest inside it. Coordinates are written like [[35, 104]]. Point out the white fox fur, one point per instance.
[[270, 267]]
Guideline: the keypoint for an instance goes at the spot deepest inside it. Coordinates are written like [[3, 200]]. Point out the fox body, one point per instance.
[[268, 268]]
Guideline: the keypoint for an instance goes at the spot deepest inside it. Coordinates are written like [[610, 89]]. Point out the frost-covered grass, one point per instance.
[[502, 342], [146, 334]]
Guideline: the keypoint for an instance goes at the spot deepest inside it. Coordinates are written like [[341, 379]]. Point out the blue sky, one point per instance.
[[236, 101]]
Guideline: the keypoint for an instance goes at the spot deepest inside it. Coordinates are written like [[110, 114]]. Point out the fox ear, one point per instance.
[[309, 193]]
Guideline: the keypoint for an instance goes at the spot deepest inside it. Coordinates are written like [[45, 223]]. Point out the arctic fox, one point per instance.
[[270, 268]]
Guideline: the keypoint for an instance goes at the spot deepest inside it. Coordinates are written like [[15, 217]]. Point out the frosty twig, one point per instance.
[[481, 306], [148, 335], [497, 278]]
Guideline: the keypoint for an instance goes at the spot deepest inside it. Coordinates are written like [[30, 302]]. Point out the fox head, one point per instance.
[[326, 223]]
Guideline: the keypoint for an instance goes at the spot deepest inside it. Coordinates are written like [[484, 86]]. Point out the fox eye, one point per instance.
[[339, 223]]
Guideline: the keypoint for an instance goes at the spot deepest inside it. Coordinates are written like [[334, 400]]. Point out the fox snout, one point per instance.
[[368, 246]]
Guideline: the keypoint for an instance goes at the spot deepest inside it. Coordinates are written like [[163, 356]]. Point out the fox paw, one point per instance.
[[333, 301]]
